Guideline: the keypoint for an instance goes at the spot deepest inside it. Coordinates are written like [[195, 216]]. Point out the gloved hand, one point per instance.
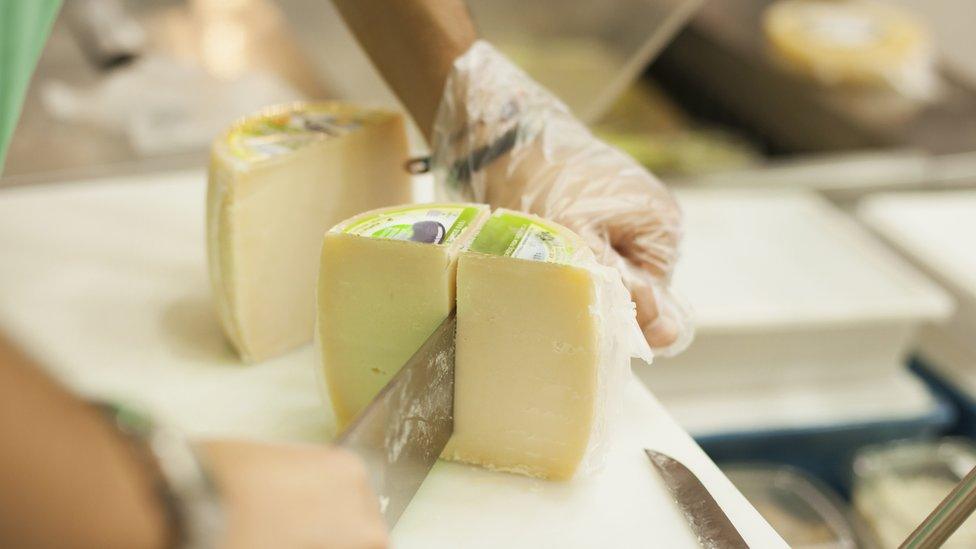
[[502, 139]]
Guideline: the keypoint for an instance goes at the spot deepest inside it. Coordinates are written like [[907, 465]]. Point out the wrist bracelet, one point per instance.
[[185, 490]]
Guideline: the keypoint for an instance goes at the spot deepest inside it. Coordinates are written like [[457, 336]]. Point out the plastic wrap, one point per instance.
[[621, 339], [502, 139]]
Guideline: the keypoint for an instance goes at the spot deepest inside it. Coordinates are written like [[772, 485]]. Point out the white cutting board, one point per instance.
[[106, 284]]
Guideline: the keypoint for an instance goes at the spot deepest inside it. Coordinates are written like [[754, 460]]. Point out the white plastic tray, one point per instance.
[[791, 296], [936, 231], [106, 284]]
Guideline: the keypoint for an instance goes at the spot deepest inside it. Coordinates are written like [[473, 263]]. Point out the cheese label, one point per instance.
[[266, 136], [512, 235], [430, 224]]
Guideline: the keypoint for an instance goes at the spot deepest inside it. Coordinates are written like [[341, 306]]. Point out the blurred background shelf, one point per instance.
[[206, 62]]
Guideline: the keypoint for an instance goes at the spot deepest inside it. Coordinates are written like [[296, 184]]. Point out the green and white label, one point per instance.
[[431, 224], [512, 235], [263, 137]]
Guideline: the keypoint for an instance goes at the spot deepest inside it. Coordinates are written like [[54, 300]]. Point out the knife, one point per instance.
[[402, 432], [707, 520]]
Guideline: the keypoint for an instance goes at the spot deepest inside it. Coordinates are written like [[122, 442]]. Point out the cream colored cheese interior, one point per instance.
[[526, 366], [268, 211], [379, 299]]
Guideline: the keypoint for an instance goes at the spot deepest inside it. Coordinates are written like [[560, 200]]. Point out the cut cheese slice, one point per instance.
[[543, 332], [387, 281], [278, 181]]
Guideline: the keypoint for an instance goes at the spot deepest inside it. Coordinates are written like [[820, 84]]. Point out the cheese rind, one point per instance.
[[853, 43], [278, 181], [544, 333], [387, 280]]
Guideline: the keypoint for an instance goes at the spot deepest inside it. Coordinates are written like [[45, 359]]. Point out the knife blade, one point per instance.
[[402, 432], [710, 524]]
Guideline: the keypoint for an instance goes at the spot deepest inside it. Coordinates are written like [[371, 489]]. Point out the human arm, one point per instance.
[[68, 478], [413, 43]]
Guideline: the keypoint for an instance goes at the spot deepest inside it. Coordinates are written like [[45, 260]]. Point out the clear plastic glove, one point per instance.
[[502, 139]]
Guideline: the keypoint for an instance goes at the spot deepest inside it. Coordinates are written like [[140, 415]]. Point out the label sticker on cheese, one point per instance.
[[283, 131], [510, 234], [430, 224]]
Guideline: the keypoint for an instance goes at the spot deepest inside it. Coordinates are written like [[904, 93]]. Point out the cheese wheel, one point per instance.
[[278, 181], [544, 334], [387, 281], [852, 42]]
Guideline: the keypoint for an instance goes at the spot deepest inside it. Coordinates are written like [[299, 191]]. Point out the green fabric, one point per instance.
[[24, 27]]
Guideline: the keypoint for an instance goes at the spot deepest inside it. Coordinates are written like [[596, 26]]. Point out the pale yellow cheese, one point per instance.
[[381, 294], [278, 181], [543, 331], [531, 358]]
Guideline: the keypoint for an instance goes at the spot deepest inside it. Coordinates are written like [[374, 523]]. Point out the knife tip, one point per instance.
[[655, 455]]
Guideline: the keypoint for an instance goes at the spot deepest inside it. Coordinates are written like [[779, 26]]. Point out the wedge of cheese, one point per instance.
[[278, 181], [542, 332], [387, 280]]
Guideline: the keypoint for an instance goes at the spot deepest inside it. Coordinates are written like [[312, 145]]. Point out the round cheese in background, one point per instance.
[[852, 43]]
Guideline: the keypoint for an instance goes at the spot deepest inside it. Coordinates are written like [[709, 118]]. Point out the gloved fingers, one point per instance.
[[662, 317], [661, 334], [648, 237], [673, 329], [644, 298]]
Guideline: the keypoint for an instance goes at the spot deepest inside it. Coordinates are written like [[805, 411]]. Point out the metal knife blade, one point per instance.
[[709, 523], [402, 432]]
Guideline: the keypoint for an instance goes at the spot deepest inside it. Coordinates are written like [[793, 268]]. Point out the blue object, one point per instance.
[[826, 452], [964, 403]]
